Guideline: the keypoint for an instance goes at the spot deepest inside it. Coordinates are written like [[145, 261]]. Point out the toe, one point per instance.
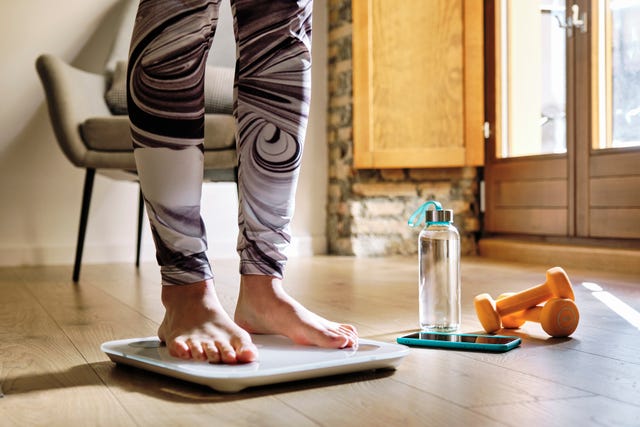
[[334, 338], [247, 354], [350, 328], [246, 351], [351, 334], [195, 347], [340, 337], [211, 351], [179, 348], [227, 353]]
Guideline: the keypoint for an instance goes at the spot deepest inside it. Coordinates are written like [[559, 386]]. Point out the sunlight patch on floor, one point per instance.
[[621, 308]]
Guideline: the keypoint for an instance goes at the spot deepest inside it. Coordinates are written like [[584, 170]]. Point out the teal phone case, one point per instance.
[[462, 345]]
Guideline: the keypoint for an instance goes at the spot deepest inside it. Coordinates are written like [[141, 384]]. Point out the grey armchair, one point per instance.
[[93, 138]]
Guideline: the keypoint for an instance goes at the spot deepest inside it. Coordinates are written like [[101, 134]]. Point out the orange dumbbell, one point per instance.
[[491, 313], [558, 317]]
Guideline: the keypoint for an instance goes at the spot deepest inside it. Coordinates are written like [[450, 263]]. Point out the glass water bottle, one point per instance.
[[439, 276]]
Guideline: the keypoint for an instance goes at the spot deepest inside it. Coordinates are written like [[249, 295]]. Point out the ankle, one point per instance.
[[259, 280], [255, 286], [174, 293]]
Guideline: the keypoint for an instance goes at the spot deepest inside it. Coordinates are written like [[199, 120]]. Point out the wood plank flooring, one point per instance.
[[52, 371]]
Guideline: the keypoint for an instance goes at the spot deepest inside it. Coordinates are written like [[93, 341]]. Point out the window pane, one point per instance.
[[533, 78], [619, 70]]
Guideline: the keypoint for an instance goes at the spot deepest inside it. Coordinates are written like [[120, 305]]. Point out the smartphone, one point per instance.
[[496, 343]]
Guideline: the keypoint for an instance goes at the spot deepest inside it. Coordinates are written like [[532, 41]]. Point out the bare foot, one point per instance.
[[265, 308], [196, 326]]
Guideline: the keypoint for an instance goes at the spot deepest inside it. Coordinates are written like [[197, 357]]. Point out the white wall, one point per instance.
[[40, 190]]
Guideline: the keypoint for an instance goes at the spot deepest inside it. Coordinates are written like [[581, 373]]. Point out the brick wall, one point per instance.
[[368, 209]]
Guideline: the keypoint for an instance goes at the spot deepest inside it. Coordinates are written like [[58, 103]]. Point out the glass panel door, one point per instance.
[[526, 170], [563, 85]]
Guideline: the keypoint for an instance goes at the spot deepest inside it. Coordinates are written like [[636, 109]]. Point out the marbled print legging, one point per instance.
[[165, 91]]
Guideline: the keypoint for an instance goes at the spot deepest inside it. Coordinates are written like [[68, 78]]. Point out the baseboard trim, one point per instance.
[[626, 261], [301, 246], [64, 255]]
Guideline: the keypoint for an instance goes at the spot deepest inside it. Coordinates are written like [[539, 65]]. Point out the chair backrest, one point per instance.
[[120, 48]]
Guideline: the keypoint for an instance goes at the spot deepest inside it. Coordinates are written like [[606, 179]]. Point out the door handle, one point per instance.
[[574, 20]]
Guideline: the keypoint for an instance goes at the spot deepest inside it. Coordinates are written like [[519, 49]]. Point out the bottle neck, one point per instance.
[[439, 226], [439, 223]]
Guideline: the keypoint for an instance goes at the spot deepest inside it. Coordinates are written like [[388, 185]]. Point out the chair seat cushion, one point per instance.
[[218, 90], [112, 133]]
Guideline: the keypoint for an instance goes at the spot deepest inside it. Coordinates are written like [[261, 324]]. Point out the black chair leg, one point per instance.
[[235, 180], [84, 215], [140, 215]]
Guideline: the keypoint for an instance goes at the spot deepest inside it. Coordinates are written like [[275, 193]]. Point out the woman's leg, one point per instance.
[[272, 104], [165, 96], [273, 85], [169, 48]]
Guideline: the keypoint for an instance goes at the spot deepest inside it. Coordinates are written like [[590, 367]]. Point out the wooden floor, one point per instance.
[[53, 373]]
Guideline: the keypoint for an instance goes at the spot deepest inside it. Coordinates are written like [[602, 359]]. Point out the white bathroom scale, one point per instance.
[[280, 360]]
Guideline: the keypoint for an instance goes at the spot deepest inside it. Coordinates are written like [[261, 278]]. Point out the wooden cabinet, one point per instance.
[[418, 70]]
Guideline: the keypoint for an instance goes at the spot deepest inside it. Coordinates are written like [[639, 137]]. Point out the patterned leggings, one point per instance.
[[165, 96]]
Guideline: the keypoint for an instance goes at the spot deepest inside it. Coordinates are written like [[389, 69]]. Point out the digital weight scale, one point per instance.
[[280, 360]]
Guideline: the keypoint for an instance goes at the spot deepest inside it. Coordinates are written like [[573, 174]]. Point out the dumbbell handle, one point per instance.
[[531, 314], [523, 300], [557, 285]]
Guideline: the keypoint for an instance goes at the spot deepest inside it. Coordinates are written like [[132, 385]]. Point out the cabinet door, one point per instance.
[[418, 94]]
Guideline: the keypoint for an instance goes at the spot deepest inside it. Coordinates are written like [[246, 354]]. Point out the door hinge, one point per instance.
[[486, 128]]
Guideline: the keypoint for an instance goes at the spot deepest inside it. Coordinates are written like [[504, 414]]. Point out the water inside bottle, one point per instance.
[[439, 283]]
